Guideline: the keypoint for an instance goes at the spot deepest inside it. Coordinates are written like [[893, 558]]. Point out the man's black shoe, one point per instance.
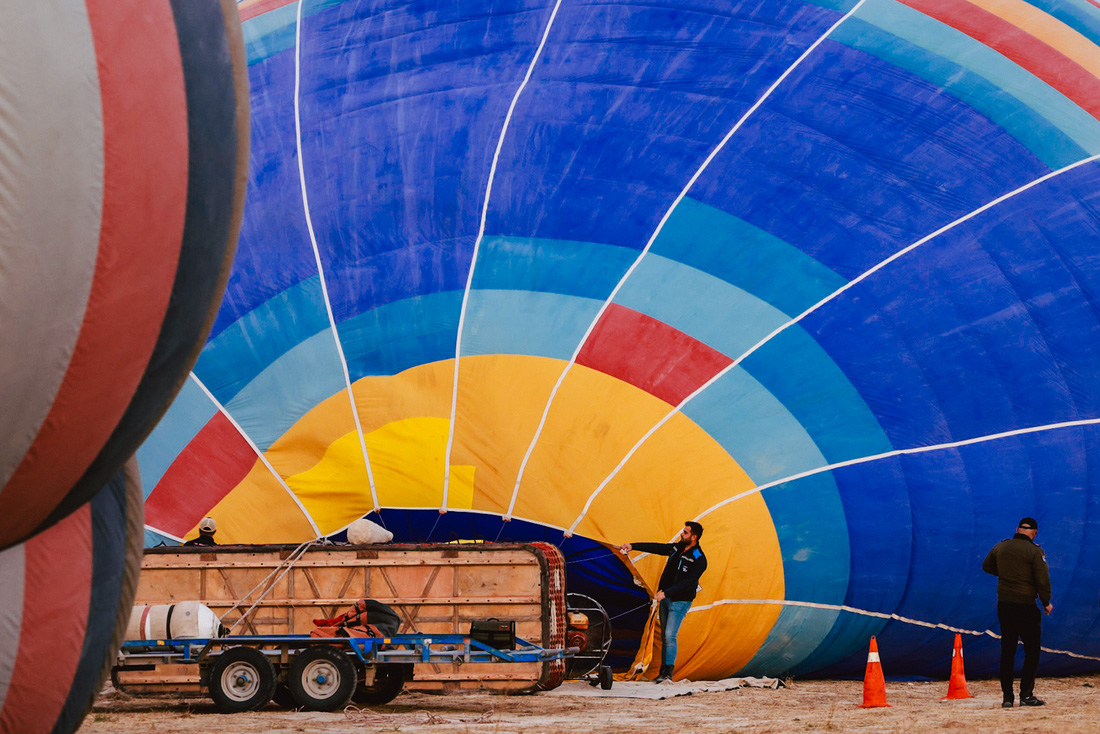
[[1007, 703], [1031, 701]]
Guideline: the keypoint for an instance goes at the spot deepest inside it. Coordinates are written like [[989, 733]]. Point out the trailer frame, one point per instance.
[[377, 667]]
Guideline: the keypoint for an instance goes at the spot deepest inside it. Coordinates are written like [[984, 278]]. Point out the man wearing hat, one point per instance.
[[207, 528], [1022, 574]]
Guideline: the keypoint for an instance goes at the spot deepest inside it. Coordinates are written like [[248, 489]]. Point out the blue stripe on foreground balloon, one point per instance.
[[115, 513]]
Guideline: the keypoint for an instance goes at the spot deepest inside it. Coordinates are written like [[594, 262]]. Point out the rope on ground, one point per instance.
[[294, 557], [358, 715]]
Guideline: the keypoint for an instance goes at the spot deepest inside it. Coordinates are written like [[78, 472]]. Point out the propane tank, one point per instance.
[[182, 621]]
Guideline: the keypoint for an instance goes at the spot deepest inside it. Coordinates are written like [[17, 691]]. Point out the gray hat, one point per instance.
[[208, 525]]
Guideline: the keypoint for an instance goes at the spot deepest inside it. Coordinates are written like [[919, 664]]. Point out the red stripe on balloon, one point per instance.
[[57, 580], [215, 462], [650, 354], [141, 228], [1042, 60]]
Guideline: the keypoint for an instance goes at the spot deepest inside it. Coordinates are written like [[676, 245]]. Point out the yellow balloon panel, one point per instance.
[[500, 401], [259, 495], [406, 459]]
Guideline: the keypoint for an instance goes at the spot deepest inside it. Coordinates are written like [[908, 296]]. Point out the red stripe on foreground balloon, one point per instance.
[[215, 461], [56, 589], [1045, 62], [650, 354], [145, 194]]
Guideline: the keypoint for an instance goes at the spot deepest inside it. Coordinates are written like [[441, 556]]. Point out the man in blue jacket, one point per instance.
[[677, 587]]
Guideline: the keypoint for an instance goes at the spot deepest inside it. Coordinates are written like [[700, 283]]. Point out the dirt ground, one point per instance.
[[1073, 706]]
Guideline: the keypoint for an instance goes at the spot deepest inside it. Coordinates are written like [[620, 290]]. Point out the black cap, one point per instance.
[[1028, 523]]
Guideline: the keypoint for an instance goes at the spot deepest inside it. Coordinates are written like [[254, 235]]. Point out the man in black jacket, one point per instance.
[[1022, 574], [677, 587], [207, 528]]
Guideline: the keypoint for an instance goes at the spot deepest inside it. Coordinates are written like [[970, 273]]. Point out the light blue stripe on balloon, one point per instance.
[[722, 316], [733, 250], [841, 6], [525, 322], [153, 538], [187, 415], [269, 33], [790, 639], [392, 338], [828, 406], [728, 319], [1080, 15], [754, 427], [288, 389], [1031, 129], [586, 269], [809, 519], [243, 350], [768, 443], [1035, 97]]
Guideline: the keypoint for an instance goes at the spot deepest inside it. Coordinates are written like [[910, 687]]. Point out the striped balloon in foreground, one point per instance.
[[68, 592], [123, 148], [821, 274]]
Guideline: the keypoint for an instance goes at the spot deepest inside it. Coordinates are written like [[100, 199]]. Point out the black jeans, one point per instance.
[[1019, 622]]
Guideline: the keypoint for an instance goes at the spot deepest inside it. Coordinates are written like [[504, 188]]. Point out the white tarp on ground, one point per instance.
[[658, 691]]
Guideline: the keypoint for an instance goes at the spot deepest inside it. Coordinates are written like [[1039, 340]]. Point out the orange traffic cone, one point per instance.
[[874, 685], [956, 688]]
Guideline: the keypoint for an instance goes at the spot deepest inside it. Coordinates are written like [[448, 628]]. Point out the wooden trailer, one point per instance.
[[436, 589]]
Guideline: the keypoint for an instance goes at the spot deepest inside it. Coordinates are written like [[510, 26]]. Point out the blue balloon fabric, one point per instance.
[[822, 275]]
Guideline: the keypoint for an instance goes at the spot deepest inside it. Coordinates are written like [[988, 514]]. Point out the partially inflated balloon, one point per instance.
[[68, 592], [122, 155], [820, 275]]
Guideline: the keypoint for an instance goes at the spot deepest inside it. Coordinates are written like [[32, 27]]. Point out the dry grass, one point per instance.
[[1072, 707]]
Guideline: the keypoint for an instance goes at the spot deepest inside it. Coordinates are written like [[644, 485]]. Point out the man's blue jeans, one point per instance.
[[671, 615]]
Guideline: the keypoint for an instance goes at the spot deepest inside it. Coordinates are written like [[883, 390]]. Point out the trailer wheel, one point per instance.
[[322, 678], [389, 680], [241, 679], [607, 678]]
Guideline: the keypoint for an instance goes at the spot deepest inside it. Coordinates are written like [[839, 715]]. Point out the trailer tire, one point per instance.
[[607, 677], [241, 679], [322, 678], [389, 680]]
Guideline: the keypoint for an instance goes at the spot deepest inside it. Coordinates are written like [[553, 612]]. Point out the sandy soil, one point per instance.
[[1073, 705]]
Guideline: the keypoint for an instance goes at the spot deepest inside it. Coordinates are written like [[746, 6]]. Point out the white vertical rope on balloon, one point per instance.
[[317, 254], [868, 613], [259, 453], [649, 244], [477, 248], [783, 327]]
